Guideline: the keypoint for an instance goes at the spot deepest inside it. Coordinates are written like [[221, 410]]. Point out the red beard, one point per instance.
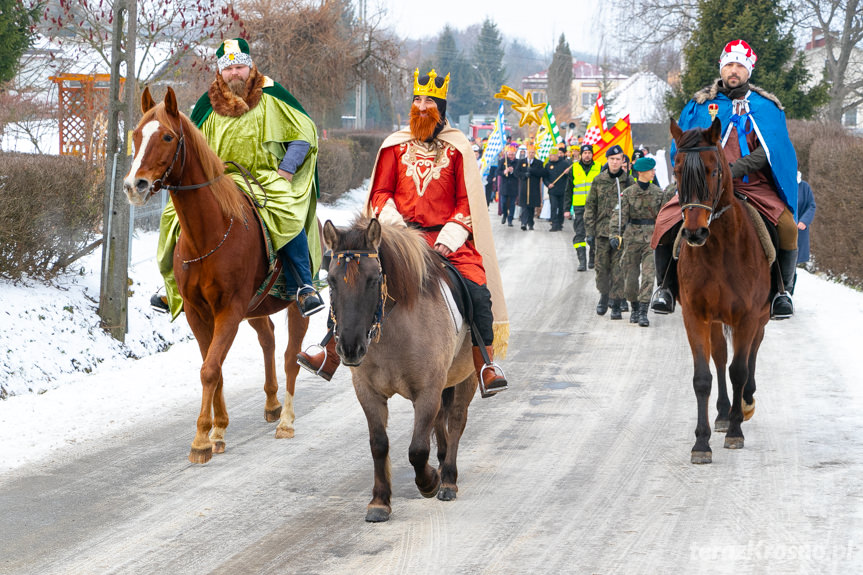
[[423, 126]]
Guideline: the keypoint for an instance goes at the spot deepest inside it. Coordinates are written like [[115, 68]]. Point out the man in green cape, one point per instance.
[[249, 119]]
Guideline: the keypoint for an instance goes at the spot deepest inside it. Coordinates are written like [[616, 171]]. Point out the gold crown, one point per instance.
[[431, 88]]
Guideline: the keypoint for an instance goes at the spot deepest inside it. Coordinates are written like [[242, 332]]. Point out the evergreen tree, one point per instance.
[[489, 73], [15, 34], [560, 81], [760, 23], [448, 59]]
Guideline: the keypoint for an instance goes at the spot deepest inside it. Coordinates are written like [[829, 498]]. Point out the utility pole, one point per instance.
[[362, 96], [114, 290]]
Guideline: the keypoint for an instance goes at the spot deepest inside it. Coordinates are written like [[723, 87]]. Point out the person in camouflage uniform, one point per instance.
[[602, 200], [639, 205]]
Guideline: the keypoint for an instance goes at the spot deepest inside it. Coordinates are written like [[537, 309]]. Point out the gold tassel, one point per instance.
[[501, 339]]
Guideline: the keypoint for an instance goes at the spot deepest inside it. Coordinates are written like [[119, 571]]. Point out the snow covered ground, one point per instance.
[[55, 359]]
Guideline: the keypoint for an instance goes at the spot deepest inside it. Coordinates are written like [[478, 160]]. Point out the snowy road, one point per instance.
[[582, 467]]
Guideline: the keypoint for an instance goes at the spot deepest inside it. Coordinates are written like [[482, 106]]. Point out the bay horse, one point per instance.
[[724, 283], [220, 261], [398, 335]]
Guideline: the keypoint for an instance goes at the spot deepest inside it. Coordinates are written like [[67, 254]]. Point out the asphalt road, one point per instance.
[[581, 467]]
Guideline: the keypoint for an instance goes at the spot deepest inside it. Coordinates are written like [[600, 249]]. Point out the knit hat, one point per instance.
[[740, 52], [644, 164], [234, 51]]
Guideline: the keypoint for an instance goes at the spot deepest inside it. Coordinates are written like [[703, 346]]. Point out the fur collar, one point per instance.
[[710, 92], [225, 103]]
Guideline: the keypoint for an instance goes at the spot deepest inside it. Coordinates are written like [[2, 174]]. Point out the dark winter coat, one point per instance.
[[530, 175]]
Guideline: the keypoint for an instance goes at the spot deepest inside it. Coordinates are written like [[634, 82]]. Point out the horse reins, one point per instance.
[[711, 209], [158, 185], [347, 256], [181, 146]]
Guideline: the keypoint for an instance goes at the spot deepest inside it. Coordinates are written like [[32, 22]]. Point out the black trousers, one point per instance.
[[556, 204], [483, 319]]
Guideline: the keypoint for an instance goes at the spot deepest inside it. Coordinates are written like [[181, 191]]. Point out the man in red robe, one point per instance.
[[426, 177]]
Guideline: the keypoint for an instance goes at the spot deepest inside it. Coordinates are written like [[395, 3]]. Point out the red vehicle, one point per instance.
[[478, 131]]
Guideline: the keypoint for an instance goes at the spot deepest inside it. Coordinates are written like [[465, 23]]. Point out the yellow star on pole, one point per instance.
[[530, 112]]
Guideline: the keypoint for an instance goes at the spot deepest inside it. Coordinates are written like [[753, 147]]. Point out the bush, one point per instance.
[[345, 161], [335, 168], [829, 159], [50, 211]]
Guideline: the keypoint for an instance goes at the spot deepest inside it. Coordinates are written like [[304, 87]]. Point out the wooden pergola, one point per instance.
[[83, 106]]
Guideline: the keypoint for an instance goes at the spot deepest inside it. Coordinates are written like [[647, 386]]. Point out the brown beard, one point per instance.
[[423, 127], [238, 87]]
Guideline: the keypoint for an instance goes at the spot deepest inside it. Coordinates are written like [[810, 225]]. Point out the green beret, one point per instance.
[[644, 164]]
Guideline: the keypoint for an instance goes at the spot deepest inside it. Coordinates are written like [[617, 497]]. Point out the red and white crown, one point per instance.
[[740, 52]]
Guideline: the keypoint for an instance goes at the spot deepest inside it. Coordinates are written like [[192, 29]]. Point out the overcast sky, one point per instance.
[[539, 24]]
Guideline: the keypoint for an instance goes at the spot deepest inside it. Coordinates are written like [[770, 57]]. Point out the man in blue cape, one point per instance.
[[763, 167]]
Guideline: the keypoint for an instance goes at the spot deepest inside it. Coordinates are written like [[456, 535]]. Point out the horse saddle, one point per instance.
[[274, 283], [457, 294]]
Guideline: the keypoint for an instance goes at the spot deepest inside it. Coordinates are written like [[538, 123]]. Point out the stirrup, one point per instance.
[[483, 392], [306, 365], [773, 304], [314, 292], [653, 302]]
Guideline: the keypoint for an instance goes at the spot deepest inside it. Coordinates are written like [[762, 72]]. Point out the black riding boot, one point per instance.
[[633, 317], [782, 307], [602, 306], [666, 271], [582, 259]]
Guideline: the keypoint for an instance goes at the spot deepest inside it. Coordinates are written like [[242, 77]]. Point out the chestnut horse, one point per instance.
[[220, 261], [397, 333], [724, 280]]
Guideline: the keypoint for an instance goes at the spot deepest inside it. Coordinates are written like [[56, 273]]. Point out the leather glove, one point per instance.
[[614, 242]]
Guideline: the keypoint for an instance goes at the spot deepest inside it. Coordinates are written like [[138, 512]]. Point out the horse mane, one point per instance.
[[411, 267], [692, 180], [224, 189]]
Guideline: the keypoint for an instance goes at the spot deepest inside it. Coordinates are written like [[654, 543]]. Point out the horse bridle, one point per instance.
[[181, 146], [718, 194], [347, 256]]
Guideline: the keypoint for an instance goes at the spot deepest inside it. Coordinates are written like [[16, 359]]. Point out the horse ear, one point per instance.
[[171, 103], [373, 234], [331, 236], [147, 101], [676, 132], [715, 131]]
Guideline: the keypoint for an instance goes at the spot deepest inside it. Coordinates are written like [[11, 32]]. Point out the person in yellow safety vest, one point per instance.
[[583, 173]]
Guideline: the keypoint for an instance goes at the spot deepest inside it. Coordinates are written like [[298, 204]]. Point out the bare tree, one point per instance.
[[841, 22], [167, 29], [320, 51]]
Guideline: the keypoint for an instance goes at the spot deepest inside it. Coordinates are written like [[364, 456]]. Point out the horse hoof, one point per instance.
[[434, 490], [218, 447], [377, 514], [748, 410], [272, 415], [733, 442], [282, 433], [447, 493], [721, 425], [699, 457], [200, 455]]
